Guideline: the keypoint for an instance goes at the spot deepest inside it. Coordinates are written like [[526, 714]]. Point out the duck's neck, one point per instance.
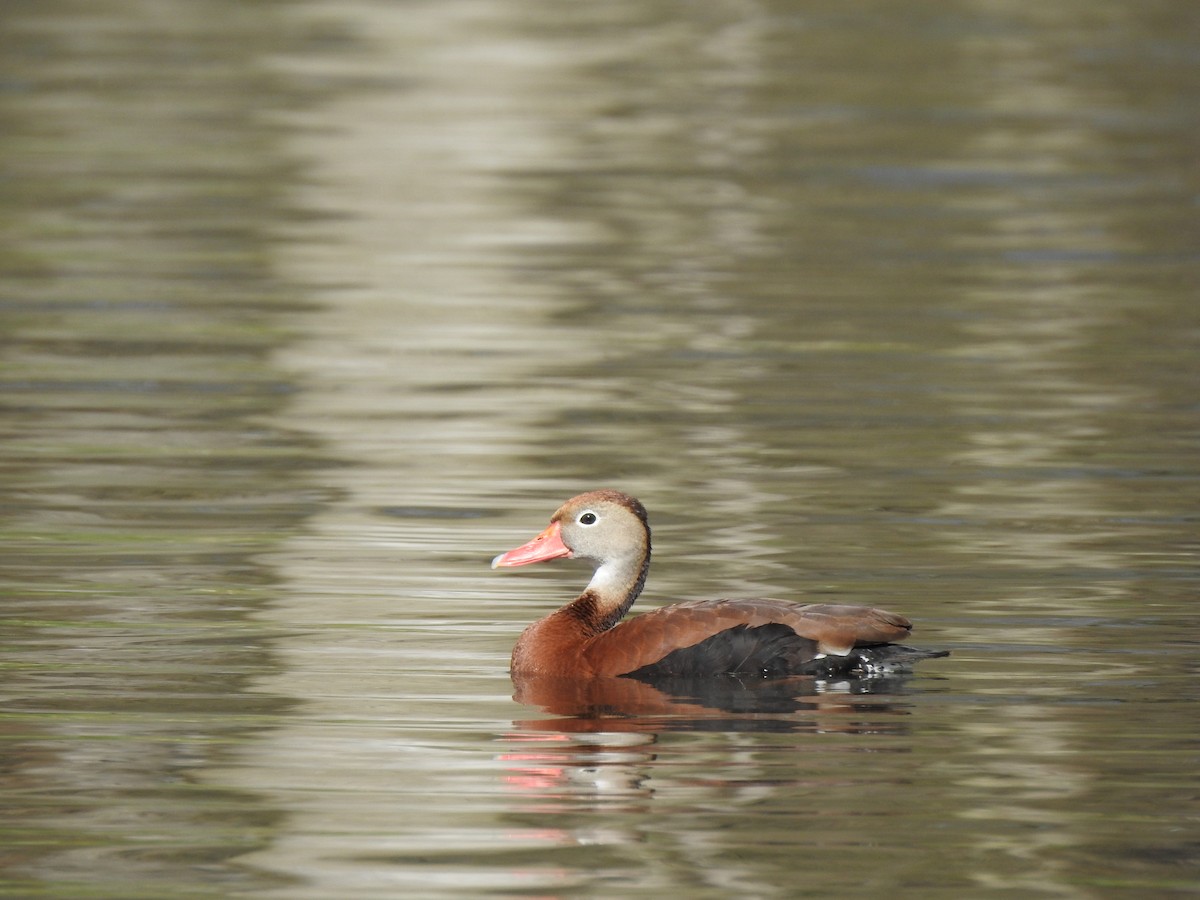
[[553, 645], [615, 584]]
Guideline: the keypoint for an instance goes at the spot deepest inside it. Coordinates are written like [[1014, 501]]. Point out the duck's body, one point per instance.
[[755, 637]]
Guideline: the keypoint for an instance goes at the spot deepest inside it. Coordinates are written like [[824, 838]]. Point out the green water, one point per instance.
[[307, 310]]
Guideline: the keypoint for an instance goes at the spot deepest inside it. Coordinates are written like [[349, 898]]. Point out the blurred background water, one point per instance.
[[309, 309]]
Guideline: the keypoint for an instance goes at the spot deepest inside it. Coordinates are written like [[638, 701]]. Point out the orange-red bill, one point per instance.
[[547, 545]]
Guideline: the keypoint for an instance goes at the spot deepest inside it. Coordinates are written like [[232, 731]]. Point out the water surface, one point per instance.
[[309, 310]]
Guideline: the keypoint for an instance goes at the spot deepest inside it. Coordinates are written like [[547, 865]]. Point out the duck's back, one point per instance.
[[729, 636]]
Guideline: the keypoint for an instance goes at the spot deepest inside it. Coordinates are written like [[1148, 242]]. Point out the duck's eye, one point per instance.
[[587, 518]]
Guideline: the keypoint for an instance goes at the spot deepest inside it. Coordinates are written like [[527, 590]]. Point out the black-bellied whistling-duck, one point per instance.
[[757, 638]]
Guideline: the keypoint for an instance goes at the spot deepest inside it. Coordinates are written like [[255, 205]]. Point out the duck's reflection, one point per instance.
[[602, 734], [622, 704]]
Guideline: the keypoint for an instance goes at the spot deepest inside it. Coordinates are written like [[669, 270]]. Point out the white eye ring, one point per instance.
[[587, 517]]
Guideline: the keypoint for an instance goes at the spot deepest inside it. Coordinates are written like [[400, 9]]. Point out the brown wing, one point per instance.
[[839, 629], [647, 638]]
